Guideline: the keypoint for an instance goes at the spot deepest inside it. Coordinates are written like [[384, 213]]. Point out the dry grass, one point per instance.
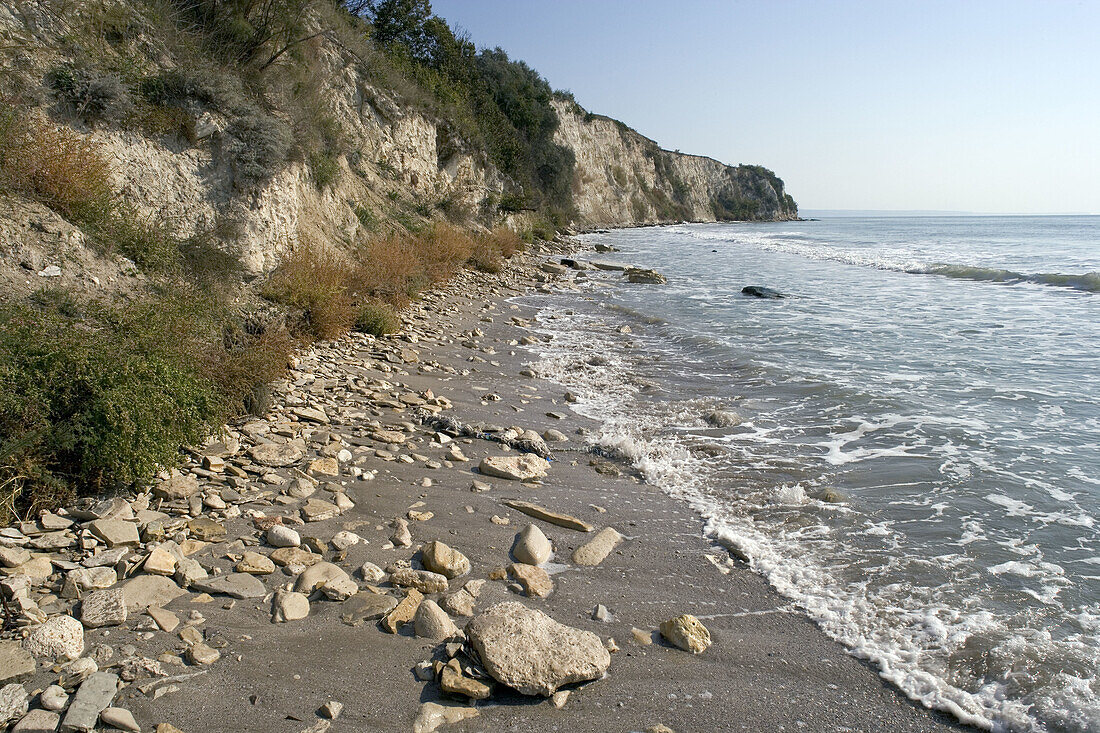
[[54, 165], [313, 280]]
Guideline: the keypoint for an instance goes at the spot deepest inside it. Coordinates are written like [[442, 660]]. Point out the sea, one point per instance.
[[906, 444]]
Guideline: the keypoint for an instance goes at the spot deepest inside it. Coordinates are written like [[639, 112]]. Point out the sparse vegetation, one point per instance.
[[377, 318]]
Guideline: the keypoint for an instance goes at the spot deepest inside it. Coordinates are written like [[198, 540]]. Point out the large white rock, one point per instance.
[[443, 559], [13, 703], [526, 467], [530, 652], [532, 546], [150, 590], [318, 575], [103, 608], [432, 622], [61, 637]]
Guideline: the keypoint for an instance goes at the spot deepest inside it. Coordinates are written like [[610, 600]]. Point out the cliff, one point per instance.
[[623, 178]]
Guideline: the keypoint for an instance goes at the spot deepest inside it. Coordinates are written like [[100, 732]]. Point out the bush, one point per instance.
[[377, 318], [313, 281], [325, 168], [258, 146], [90, 96]]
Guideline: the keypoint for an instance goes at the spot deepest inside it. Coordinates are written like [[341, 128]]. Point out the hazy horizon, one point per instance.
[[964, 107]]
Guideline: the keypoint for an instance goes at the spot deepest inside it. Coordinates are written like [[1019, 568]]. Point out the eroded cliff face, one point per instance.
[[625, 179]]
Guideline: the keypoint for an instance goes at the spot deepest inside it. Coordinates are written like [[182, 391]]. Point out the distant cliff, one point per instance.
[[622, 178]]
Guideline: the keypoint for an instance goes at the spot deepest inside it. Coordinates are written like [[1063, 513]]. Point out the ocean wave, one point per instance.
[[1088, 282]]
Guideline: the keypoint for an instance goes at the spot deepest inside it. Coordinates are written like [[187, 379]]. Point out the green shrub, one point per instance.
[[366, 217], [258, 146], [90, 96], [377, 318], [324, 167]]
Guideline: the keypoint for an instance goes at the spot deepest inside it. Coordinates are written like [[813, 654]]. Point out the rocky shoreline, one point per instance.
[[390, 548]]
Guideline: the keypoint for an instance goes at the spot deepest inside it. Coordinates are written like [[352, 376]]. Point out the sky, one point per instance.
[[963, 106]]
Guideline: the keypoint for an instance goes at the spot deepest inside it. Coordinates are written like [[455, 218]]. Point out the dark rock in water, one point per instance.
[[606, 248], [649, 277], [574, 264], [758, 291]]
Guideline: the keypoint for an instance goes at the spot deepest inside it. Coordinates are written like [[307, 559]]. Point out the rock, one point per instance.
[[311, 414], [659, 728], [203, 654], [462, 602], [722, 419], [687, 633], [294, 556], [16, 663], [61, 637], [119, 718], [115, 532], [432, 715], [452, 681], [283, 536], [254, 563], [165, 620], [37, 721], [432, 622], [318, 575], [648, 277], [371, 573], [80, 581], [326, 466], [54, 698], [189, 571], [339, 589], [599, 547], [13, 703], [206, 530], [177, 488], [103, 608], [554, 436], [317, 510], [532, 546], [447, 561], [234, 585], [343, 540], [424, 581], [600, 613], [289, 607], [535, 581], [759, 291], [527, 467], [532, 653], [403, 612], [331, 710], [93, 697], [367, 607], [277, 455], [75, 672], [538, 512], [12, 557], [401, 536], [159, 562]]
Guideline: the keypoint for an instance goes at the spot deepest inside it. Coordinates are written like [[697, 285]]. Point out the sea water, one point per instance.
[[909, 446]]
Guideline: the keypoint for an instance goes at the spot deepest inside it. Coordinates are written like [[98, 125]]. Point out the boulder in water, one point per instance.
[[759, 291]]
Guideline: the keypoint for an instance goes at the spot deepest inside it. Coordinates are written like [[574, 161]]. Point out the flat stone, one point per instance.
[[367, 607], [403, 612], [177, 488], [535, 581], [532, 546], [526, 467], [37, 721], [424, 581], [150, 590], [433, 715], [318, 575], [686, 632], [310, 414], [115, 532], [339, 589], [599, 547], [103, 608], [254, 563], [80, 581], [327, 466], [443, 559], [294, 556], [452, 681], [234, 585], [388, 436], [119, 718], [61, 637], [16, 663], [188, 571], [206, 530], [202, 654], [13, 703], [317, 510], [532, 653], [37, 568], [94, 695], [289, 607], [538, 512], [159, 562], [432, 622], [11, 557], [164, 619], [277, 455]]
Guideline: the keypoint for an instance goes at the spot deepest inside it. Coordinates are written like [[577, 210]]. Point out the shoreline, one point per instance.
[[769, 665]]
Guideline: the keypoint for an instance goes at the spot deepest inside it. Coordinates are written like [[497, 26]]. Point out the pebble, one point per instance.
[[120, 718], [289, 607], [282, 536]]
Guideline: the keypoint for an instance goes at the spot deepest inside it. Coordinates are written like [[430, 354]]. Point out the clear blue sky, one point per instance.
[[990, 106]]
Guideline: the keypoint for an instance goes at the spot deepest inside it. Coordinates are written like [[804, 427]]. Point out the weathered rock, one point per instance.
[[526, 467], [159, 562], [452, 681], [119, 718], [254, 563], [54, 698], [115, 532], [554, 436], [318, 510], [80, 581], [16, 663], [443, 559], [432, 622], [37, 721], [432, 715], [367, 607], [648, 277], [532, 653], [462, 602], [277, 455], [327, 466], [343, 540], [687, 633], [331, 710], [61, 637], [759, 291], [206, 529], [599, 547], [403, 612], [95, 695], [532, 546], [13, 557], [165, 620], [289, 607], [538, 512], [535, 581], [13, 703], [371, 573], [318, 575], [177, 488], [294, 556], [311, 414], [339, 589], [723, 419], [203, 654], [424, 581], [188, 571], [103, 608], [401, 536], [234, 585], [75, 672]]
